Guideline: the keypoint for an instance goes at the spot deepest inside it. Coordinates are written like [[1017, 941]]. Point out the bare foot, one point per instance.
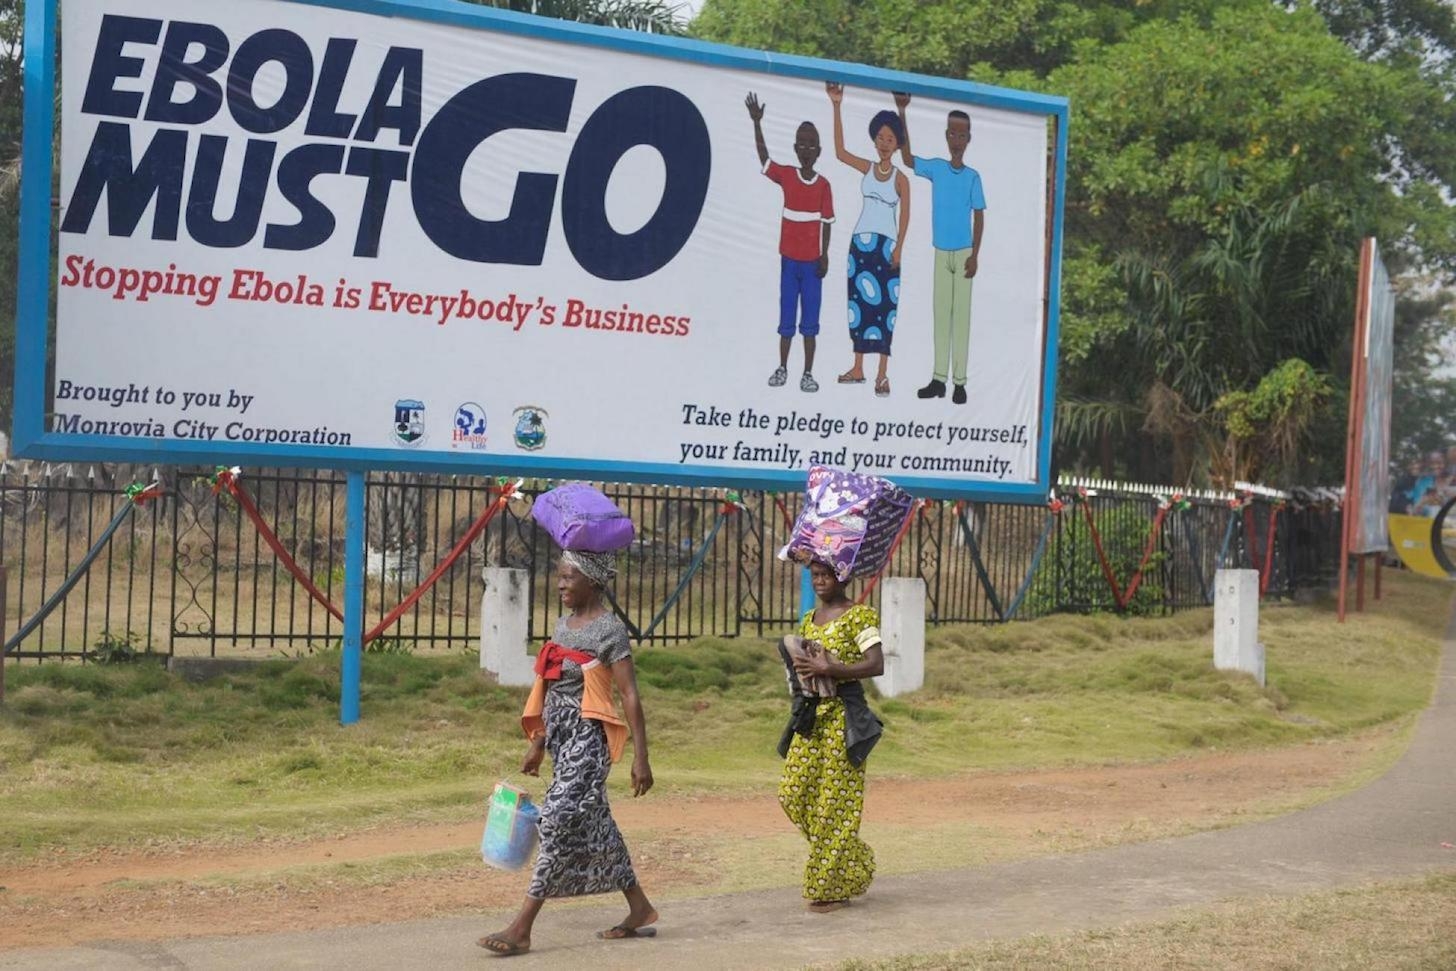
[[504, 944], [635, 924]]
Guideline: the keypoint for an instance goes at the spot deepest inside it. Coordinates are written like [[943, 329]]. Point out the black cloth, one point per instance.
[[861, 728]]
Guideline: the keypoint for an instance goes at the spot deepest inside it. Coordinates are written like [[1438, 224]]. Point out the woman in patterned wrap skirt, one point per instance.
[[582, 851], [828, 740]]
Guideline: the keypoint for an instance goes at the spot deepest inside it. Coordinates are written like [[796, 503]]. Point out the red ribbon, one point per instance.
[[1267, 570], [230, 482], [470, 534], [1119, 596]]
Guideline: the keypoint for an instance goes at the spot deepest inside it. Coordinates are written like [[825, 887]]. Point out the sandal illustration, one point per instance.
[[849, 377], [882, 387]]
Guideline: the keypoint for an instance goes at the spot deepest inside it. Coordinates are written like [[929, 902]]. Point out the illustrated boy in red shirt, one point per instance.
[[803, 243]]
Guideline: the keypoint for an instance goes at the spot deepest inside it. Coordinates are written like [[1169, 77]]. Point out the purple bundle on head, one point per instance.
[[578, 517], [849, 522]]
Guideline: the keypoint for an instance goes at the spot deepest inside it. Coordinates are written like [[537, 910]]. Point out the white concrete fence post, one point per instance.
[[505, 627], [902, 629], [1236, 645]]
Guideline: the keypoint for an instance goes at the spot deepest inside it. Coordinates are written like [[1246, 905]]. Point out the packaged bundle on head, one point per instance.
[[849, 522], [578, 517], [510, 828]]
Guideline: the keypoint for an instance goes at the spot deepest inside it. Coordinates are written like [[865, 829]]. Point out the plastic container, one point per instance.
[[510, 828]]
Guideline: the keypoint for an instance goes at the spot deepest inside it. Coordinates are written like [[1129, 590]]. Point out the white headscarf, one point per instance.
[[599, 568]]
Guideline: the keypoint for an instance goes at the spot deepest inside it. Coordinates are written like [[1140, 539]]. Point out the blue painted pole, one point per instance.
[[33, 280], [806, 591], [353, 600]]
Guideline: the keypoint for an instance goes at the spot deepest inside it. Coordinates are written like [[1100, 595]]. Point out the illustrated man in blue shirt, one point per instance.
[[957, 216]]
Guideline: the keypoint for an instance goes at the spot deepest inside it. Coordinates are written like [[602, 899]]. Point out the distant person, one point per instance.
[[828, 740], [957, 217], [571, 715], [808, 212], [875, 247]]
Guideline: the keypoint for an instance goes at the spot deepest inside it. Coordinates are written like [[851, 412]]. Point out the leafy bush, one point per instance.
[[1071, 573], [110, 648]]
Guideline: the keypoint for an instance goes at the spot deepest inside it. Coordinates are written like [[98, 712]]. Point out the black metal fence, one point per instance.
[[189, 573]]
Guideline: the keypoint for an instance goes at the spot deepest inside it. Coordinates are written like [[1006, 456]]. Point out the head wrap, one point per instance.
[[599, 568]]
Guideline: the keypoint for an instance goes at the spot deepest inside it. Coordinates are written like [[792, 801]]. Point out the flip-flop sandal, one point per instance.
[[882, 388], [622, 932], [848, 378], [502, 948]]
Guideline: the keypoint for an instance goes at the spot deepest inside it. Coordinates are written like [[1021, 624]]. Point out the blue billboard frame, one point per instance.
[[31, 439]]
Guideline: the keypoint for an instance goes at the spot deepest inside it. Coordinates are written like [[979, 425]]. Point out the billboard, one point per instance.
[[1371, 391], [432, 236]]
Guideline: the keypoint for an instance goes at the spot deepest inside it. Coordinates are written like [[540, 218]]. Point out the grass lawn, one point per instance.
[[127, 755]]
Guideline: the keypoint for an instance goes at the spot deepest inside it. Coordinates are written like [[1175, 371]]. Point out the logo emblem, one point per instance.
[[530, 433], [469, 430], [409, 422]]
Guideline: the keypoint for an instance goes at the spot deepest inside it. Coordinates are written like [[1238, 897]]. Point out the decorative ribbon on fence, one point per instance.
[[507, 490], [784, 508], [894, 546], [137, 496], [1267, 569], [1124, 597], [978, 563], [1054, 509], [227, 479], [731, 506]]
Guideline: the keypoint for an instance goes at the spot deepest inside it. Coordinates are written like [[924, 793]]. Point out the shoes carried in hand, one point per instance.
[[778, 378]]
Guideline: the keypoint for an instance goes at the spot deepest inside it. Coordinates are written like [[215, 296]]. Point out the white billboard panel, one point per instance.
[[450, 238]]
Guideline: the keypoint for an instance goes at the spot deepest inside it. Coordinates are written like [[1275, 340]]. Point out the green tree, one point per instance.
[[1423, 405]]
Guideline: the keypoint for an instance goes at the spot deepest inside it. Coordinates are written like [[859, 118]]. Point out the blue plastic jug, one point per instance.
[[510, 828]]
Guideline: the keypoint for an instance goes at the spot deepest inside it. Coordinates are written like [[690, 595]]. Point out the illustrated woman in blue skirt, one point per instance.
[[874, 249]]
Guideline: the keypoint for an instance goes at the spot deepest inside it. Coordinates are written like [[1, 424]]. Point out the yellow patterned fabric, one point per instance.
[[821, 791]]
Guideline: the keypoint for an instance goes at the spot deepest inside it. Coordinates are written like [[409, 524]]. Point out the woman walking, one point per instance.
[[828, 740], [874, 249], [570, 715]]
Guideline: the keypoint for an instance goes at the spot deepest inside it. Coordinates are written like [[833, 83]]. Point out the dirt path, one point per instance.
[[396, 873]]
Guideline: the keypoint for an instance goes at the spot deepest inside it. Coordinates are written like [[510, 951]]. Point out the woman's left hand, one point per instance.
[[813, 665], [641, 777]]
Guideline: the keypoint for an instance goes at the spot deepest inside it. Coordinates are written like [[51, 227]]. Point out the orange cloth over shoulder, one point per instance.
[[596, 696]]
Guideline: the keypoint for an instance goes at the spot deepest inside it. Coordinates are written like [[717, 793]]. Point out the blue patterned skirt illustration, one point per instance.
[[874, 293]]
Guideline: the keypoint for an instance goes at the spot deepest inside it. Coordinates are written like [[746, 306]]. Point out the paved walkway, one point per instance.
[[1393, 828]]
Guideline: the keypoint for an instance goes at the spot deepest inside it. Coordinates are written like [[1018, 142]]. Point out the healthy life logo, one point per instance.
[[469, 430]]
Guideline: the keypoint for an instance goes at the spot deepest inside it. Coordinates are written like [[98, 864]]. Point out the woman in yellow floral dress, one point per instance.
[[828, 740]]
